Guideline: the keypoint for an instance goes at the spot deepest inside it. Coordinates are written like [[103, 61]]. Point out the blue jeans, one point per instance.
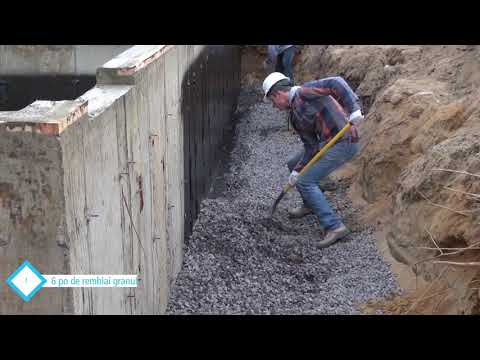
[[308, 183], [285, 62]]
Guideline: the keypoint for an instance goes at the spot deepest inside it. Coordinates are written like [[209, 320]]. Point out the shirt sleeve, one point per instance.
[[338, 88]]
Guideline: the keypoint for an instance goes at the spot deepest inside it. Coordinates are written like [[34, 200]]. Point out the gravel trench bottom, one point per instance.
[[238, 263]]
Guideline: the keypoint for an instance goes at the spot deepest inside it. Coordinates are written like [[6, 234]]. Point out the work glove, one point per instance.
[[292, 179], [356, 117]]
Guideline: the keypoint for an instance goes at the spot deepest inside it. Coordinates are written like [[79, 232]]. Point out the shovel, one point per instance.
[[317, 156]]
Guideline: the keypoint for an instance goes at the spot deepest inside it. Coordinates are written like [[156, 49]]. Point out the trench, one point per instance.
[[236, 261]]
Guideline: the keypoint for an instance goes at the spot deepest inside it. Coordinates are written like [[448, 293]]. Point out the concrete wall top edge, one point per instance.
[[45, 117], [30, 60], [134, 59], [102, 96]]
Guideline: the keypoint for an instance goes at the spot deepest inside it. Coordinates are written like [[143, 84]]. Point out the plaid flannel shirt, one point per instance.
[[319, 112]]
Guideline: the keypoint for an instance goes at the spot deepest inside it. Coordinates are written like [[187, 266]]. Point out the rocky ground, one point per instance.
[[423, 114], [239, 262]]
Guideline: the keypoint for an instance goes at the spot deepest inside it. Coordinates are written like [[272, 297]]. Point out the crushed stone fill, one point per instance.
[[236, 262]]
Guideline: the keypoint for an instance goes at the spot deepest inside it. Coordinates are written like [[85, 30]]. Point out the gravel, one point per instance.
[[237, 262]]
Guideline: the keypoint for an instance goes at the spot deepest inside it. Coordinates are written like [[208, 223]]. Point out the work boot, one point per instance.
[[332, 236], [299, 212]]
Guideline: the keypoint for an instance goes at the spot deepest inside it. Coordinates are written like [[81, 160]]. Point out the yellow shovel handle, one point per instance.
[[321, 153]]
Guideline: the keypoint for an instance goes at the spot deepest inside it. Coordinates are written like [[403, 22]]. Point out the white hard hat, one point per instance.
[[271, 80]]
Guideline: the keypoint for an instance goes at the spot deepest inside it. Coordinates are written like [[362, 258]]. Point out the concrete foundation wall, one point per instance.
[[120, 204], [210, 89], [32, 206], [55, 59]]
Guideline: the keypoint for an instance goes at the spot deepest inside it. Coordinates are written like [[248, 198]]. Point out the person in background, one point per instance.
[[281, 56]]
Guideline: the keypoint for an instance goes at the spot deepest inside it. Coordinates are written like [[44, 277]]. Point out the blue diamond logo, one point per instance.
[[26, 281]]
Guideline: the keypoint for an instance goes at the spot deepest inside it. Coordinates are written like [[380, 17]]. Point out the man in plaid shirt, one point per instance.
[[319, 111]]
